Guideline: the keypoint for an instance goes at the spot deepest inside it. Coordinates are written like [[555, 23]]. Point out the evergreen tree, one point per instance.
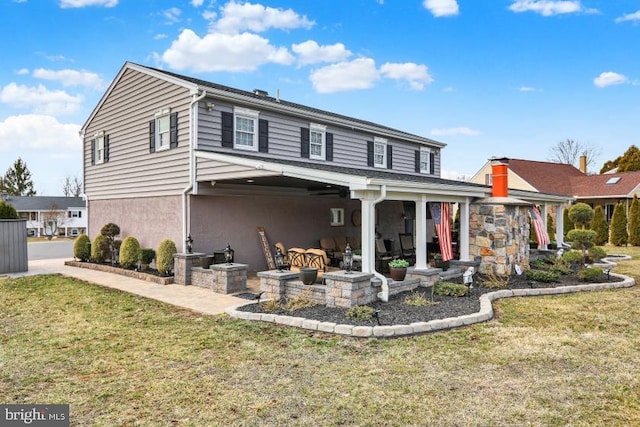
[[568, 224], [634, 222], [600, 226], [618, 231], [629, 161], [551, 228], [17, 181]]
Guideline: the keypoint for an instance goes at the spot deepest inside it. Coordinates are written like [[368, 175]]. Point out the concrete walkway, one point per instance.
[[191, 297]]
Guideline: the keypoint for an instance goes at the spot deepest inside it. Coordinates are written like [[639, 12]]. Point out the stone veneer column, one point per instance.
[[229, 278], [182, 264], [348, 290], [272, 282]]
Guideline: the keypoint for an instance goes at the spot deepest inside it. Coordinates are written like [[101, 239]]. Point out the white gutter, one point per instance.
[[193, 124], [384, 294]]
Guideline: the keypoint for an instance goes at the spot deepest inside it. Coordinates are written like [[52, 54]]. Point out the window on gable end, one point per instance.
[[100, 148], [163, 131], [317, 141], [425, 160]]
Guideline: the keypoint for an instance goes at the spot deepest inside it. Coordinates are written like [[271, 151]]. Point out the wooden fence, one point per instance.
[[13, 246]]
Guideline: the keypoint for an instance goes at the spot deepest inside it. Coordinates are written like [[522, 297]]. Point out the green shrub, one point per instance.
[[634, 222], [600, 226], [581, 214], [542, 276], [7, 211], [618, 230], [146, 256], [164, 256], [582, 240], [417, 298], [360, 312], [568, 224], [596, 253], [449, 289], [82, 247], [110, 231], [572, 257], [398, 263], [590, 274], [99, 248], [560, 269], [129, 252], [551, 228]]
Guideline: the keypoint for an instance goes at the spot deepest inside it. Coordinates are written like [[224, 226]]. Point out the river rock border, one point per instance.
[[389, 331]]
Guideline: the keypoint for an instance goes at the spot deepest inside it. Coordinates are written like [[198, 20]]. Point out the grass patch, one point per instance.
[[120, 359]]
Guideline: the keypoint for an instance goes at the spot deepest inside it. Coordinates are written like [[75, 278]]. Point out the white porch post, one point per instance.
[[464, 230], [560, 225], [544, 221], [368, 231], [421, 234]]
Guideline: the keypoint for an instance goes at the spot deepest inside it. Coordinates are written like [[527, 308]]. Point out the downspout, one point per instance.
[[193, 123], [383, 295]]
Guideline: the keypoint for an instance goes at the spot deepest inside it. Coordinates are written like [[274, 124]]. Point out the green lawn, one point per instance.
[[119, 359]]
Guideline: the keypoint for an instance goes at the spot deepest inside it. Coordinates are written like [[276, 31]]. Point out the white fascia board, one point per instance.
[[453, 190], [529, 196]]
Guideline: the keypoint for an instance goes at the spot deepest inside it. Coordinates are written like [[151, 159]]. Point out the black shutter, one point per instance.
[[227, 129], [369, 153], [329, 147], [304, 143], [173, 130], [93, 151], [389, 156], [263, 136], [417, 161], [432, 163], [106, 148], [152, 136]]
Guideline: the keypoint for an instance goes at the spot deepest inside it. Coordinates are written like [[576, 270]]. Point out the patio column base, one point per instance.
[[348, 290], [229, 278], [182, 264], [273, 283]]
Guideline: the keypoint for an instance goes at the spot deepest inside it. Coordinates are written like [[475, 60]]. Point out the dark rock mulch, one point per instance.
[[396, 311]]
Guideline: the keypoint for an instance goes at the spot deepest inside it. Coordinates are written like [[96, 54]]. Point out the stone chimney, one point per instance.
[[583, 164]]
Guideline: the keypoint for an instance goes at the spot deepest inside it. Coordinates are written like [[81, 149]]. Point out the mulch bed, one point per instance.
[[395, 311]]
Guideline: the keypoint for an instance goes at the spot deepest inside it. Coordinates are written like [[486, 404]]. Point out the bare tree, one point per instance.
[[72, 187], [52, 220], [570, 150]]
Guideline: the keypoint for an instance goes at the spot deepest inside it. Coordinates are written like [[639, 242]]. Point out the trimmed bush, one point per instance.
[[596, 253], [634, 222], [164, 256], [600, 226], [129, 252], [590, 274], [110, 231], [7, 211], [582, 240], [99, 248], [146, 256], [572, 257], [449, 289], [82, 247], [581, 214], [542, 276], [618, 231]]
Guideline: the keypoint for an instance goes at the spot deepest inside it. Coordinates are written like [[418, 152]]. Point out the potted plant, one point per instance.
[[444, 265], [398, 269]]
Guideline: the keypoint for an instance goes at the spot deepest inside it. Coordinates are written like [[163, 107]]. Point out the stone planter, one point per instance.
[[308, 275], [398, 273]]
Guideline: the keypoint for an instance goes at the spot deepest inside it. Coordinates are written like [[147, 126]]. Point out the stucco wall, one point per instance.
[[148, 219]]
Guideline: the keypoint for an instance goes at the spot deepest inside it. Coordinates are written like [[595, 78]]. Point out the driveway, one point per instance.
[[50, 249]]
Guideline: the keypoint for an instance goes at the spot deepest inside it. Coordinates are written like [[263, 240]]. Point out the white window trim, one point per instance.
[[425, 151], [383, 142], [165, 112], [246, 113], [98, 159], [321, 129]]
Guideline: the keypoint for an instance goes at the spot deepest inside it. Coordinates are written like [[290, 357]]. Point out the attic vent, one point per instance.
[[613, 180], [260, 92]]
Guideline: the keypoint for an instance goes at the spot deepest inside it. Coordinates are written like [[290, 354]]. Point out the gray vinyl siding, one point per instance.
[[349, 146], [132, 171]]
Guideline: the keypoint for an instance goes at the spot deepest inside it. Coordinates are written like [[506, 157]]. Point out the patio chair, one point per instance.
[[297, 258], [383, 256], [328, 244], [354, 242], [317, 258], [407, 248]]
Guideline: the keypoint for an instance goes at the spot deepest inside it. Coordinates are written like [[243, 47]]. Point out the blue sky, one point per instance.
[[489, 78]]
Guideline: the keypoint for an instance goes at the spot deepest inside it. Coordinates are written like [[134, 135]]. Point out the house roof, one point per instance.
[[260, 98], [43, 203], [560, 178]]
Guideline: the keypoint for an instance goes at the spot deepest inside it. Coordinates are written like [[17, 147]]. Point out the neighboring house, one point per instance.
[[558, 178], [51, 216], [167, 155]]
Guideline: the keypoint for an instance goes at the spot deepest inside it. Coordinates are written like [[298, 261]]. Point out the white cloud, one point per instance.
[[40, 99], [360, 73], [455, 131], [38, 132], [439, 8], [197, 3], [633, 17], [609, 78], [223, 52], [449, 89], [256, 17], [547, 7], [310, 52], [528, 89], [417, 75], [172, 15], [71, 77], [84, 3]]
